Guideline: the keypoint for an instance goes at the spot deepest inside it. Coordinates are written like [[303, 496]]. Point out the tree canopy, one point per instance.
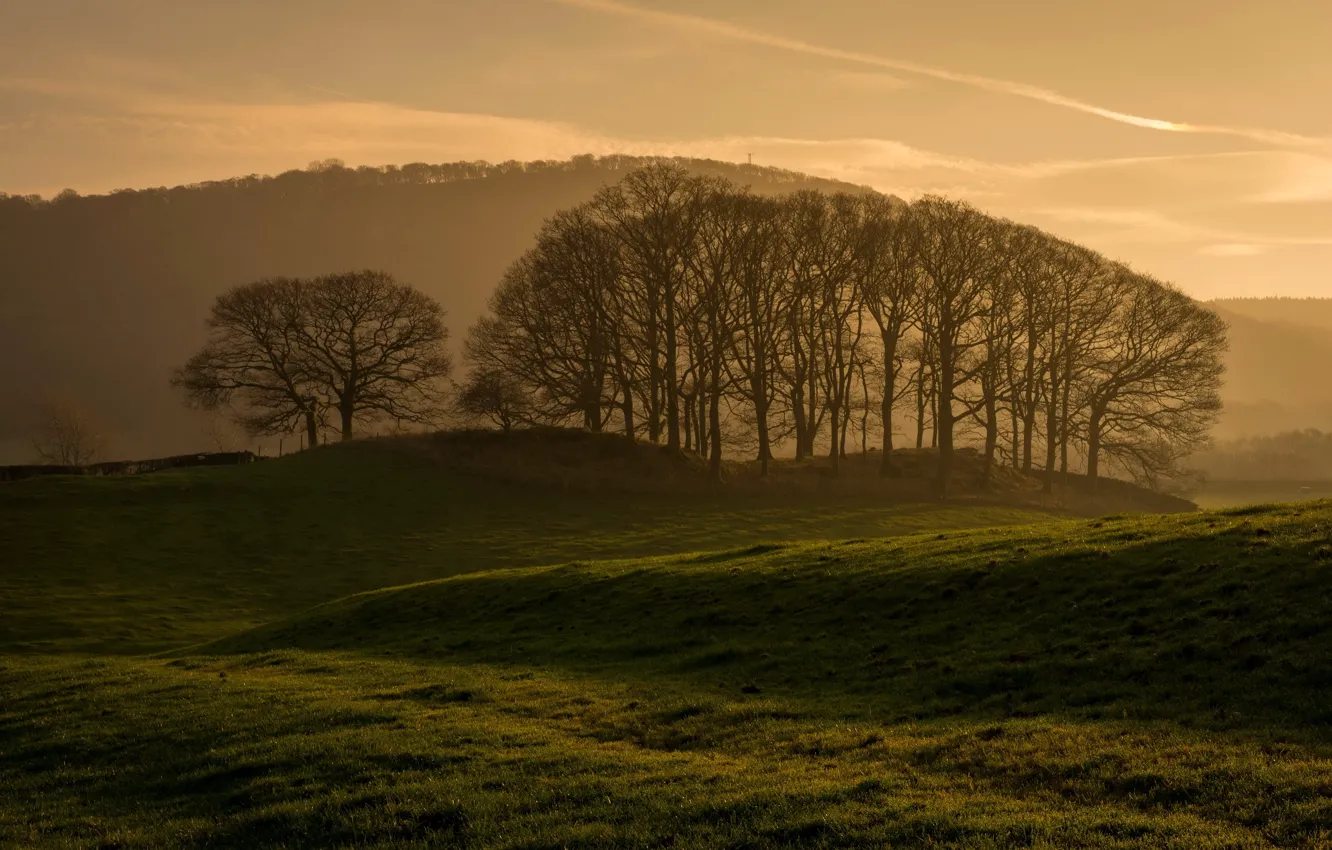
[[682, 309], [283, 353]]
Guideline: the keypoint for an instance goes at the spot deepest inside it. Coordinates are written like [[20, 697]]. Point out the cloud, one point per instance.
[[1301, 178], [733, 32], [869, 81], [1232, 249], [1146, 226], [335, 126], [1211, 203]]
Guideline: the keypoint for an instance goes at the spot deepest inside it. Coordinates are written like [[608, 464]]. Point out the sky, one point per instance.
[[1189, 138]]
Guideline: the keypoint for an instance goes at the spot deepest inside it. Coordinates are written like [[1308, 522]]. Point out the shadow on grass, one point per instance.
[[1222, 625]]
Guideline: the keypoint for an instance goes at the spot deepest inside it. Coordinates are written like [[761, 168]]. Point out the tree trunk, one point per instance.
[[1093, 445], [714, 421], [627, 411], [991, 437], [672, 379], [1051, 432], [654, 390], [920, 408], [1029, 401], [798, 408], [1064, 431], [689, 426], [760, 391], [812, 414], [1015, 443], [834, 452], [943, 420], [346, 409], [887, 468], [311, 428]]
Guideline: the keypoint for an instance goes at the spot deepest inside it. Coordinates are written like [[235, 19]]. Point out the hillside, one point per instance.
[[144, 563], [1075, 618], [1114, 683], [101, 297], [1294, 311], [1280, 355]]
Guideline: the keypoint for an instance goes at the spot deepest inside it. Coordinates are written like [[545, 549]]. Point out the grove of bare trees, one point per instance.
[[686, 310], [286, 353]]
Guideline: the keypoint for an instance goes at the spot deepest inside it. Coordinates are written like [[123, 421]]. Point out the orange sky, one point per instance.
[[1192, 138]]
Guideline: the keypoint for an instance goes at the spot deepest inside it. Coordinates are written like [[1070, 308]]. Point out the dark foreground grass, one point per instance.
[[1159, 682], [300, 750], [128, 565]]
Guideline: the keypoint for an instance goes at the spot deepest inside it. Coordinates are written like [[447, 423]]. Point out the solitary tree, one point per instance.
[[494, 395], [66, 435], [284, 352]]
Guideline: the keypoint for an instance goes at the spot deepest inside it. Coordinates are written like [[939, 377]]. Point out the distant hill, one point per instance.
[[1277, 375], [101, 296], [1300, 311]]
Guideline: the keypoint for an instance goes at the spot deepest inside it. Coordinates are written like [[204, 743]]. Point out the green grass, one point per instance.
[[1213, 495], [1123, 682], [131, 565]]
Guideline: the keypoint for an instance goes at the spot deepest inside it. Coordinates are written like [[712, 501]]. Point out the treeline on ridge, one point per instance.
[[684, 309], [102, 294], [1304, 455]]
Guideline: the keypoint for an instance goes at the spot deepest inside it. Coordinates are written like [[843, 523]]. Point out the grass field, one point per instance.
[[567, 681], [1230, 494], [132, 565]]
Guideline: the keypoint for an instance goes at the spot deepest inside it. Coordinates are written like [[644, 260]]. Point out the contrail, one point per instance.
[[737, 33]]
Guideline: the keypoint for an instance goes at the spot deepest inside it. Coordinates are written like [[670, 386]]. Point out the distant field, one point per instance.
[[1231, 494], [129, 565], [1150, 682]]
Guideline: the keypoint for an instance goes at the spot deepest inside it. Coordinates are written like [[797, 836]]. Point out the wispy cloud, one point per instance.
[[1222, 205], [870, 81], [1155, 226], [733, 32], [1233, 249]]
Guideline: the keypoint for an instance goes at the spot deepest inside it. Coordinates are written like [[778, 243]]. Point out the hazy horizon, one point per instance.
[[1191, 140]]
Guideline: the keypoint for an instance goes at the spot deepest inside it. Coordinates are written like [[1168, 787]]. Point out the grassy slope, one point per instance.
[[1124, 682], [1207, 616], [127, 565]]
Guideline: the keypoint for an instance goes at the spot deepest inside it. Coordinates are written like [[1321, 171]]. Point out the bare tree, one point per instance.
[[712, 286], [890, 285], [66, 435], [374, 348], [284, 352], [692, 309], [556, 329], [494, 395], [757, 345], [1153, 392], [221, 434], [654, 214], [253, 363], [956, 251]]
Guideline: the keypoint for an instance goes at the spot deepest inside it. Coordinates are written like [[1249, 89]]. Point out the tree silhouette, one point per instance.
[[703, 317], [283, 353]]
